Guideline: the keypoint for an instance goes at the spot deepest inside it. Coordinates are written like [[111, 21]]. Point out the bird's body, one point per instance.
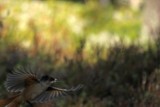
[[32, 91]]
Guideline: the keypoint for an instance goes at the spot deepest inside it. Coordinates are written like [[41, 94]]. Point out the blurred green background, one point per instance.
[[101, 44]]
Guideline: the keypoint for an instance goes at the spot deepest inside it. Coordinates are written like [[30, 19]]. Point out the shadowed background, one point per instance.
[[110, 46]]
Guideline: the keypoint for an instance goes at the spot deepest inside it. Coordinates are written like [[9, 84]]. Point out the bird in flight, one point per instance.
[[32, 87]]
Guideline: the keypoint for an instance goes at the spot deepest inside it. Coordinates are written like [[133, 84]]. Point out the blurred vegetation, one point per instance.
[[82, 42]]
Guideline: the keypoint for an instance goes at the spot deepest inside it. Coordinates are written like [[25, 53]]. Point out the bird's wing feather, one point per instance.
[[54, 92], [17, 80]]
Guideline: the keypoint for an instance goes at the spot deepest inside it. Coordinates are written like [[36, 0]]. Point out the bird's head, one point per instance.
[[49, 79]]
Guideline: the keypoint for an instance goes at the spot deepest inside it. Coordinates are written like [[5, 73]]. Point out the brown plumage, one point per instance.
[[15, 102], [4, 102]]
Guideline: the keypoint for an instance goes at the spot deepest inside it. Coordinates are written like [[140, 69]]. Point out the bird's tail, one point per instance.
[[10, 102]]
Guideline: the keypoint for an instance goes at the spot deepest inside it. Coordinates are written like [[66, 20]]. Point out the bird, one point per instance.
[[33, 87]]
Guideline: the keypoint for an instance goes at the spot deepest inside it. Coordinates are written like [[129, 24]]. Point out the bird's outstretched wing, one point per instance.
[[54, 92], [17, 80]]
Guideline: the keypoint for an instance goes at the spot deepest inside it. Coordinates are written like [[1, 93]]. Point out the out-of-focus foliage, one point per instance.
[[82, 42], [47, 25]]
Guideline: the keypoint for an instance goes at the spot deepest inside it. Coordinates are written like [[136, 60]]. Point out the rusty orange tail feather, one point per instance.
[[10, 101]]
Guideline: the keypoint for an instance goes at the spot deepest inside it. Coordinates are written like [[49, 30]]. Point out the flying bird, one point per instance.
[[33, 87]]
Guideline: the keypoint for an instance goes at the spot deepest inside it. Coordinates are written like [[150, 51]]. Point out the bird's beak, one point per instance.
[[55, 80]]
